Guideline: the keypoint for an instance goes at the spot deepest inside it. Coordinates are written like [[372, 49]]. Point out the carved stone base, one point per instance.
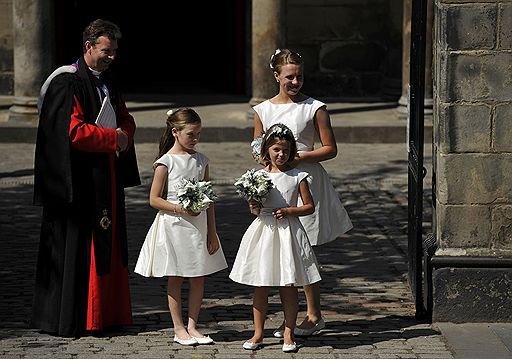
[[401, 109], [24, 109]]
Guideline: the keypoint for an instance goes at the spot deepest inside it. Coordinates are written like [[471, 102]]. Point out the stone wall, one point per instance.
[[6, 49], [473, 158], [351, 47]]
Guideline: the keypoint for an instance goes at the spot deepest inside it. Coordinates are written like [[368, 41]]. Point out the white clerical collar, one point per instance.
[[95, 73]]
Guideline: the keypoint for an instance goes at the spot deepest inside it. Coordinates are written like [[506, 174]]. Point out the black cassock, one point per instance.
[[74, 188]]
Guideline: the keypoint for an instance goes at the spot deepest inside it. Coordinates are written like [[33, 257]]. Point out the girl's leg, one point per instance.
[[174, 300], [313, 316], [259, 311], [195, 298], [290, 302]]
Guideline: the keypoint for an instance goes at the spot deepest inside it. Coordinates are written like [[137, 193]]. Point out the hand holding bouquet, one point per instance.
[[195, 195], [254, 186]]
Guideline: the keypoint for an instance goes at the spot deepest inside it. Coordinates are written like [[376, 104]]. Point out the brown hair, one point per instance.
[[274, 134], [284, 57], [177, 119], [99, 28]]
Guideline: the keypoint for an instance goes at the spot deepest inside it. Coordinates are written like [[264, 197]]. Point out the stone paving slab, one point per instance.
[[479, 340]]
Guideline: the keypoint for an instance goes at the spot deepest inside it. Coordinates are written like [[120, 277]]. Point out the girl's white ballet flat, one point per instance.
[[204, 340], [252, 346], [287, 348], [189, 341]]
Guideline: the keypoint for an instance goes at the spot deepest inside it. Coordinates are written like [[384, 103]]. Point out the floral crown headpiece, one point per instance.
[[280, 130]]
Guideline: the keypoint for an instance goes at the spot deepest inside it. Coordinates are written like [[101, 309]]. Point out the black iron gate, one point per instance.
[[416, 171]]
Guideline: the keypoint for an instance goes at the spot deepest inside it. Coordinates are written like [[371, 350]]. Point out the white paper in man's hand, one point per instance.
[[107, 116]]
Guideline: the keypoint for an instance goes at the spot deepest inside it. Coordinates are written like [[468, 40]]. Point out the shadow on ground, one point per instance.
[[364, 272]]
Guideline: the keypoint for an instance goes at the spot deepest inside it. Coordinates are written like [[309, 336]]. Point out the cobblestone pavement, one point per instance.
[[365, 298]]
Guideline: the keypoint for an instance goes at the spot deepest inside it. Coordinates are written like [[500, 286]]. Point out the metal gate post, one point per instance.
[[415, 155]]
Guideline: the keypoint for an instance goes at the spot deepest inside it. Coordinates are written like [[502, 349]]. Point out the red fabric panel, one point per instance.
[[88, 137], [109, 302]]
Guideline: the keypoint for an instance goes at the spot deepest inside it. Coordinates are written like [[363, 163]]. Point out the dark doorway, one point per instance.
[[173, 47]]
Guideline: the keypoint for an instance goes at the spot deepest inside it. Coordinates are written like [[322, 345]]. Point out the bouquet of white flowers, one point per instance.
[[254, 185], [195, 195]]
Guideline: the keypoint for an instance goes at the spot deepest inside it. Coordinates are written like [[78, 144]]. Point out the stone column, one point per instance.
[[33, 55], [406, 54], [472, 276], [6, 50], [267, 35]]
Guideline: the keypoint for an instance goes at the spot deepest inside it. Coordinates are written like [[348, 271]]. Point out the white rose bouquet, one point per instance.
[[195, 195], [254, 185]]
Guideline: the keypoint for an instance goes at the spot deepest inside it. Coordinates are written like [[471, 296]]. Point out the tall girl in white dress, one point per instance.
[[275, 249], [181, 244], [308, 119]]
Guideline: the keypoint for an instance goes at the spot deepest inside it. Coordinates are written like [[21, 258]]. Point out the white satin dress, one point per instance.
[[176, 245], [330, 219], [277, 252]]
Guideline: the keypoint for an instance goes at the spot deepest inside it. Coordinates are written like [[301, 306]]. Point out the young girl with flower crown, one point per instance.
[[181, 243], [275, 249]]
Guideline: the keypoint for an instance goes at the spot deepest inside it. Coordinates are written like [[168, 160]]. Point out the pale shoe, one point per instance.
[[252, 346], [188, 341], [307, 332], [204, 340], [288, 348], [278, 333]]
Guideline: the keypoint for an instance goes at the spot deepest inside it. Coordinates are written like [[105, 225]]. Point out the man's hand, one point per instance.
[[122, 140]]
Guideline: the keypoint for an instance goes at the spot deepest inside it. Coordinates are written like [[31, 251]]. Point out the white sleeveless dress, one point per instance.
[[330, 219], [277, 252], [176, 245]]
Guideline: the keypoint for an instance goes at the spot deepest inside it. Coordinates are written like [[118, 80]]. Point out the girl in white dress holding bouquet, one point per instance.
[[308, 119], [275, 250], [182, 243]]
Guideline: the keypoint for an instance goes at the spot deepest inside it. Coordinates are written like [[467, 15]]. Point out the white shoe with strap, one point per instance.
[[307, 332]]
